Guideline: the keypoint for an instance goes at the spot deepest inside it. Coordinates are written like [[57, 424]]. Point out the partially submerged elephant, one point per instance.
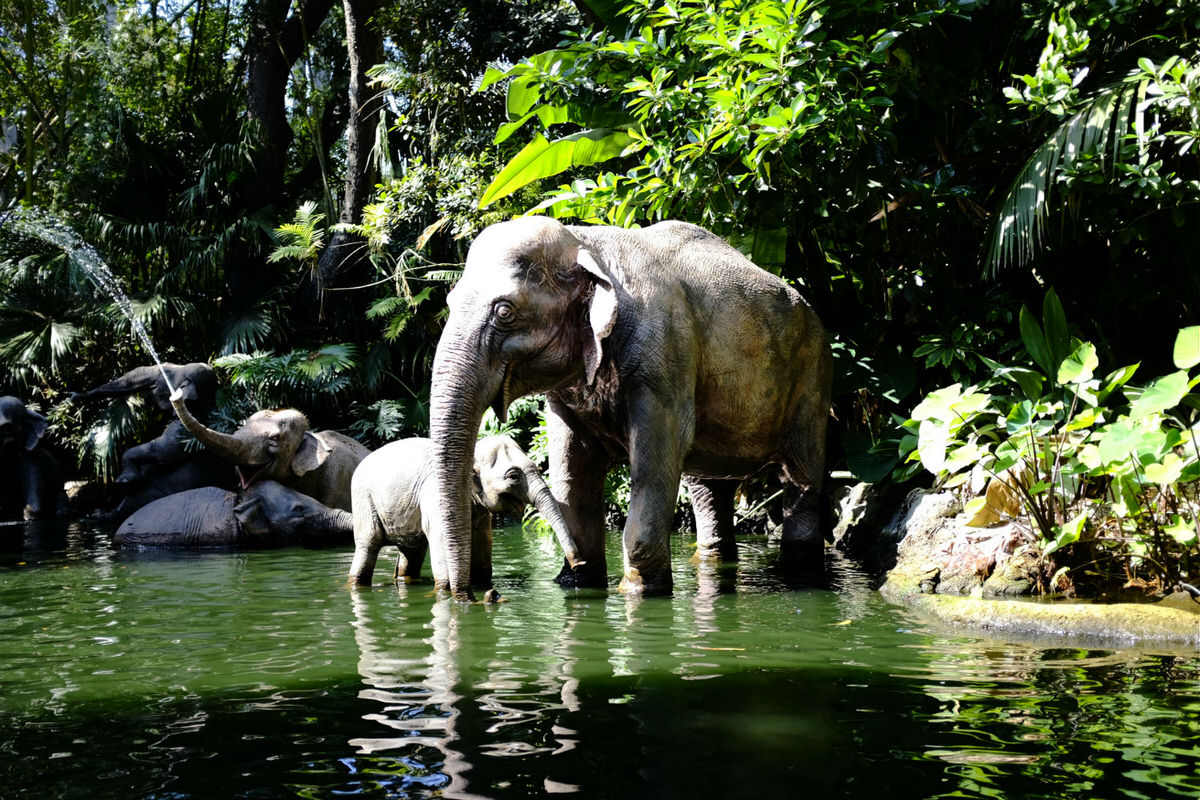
[[395, 502], [277, 444], [663, 346], [31, 485], [267, 514]]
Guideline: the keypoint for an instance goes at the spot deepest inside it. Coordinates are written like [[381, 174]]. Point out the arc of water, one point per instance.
[[53, 231]]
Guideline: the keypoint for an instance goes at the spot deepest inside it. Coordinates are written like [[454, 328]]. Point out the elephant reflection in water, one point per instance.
[[426, 701]]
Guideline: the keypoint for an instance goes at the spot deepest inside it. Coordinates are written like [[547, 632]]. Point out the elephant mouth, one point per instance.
[[509, 504], [500, 401], [254, 470]]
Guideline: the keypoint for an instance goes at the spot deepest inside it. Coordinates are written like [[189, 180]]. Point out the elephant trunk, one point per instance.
[[225, 445], [338, 523], [543, 500], [457, 401]]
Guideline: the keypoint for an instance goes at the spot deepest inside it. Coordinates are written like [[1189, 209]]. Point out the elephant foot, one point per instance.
[[588, 575], [646, 584], [717, 552]]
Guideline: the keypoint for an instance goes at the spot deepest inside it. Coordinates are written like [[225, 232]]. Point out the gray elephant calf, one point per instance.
[[393, 501], [267, 514]]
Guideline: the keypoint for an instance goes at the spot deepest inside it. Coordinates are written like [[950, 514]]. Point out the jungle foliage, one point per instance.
[[921, 170]]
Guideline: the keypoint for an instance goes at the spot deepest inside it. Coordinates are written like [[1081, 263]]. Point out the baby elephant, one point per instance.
[[267, 514], [393, 500]]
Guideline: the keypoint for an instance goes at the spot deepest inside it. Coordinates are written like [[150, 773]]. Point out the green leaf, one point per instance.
[[1079, 367], [541, 159], [1054, 323], [1035, 341], [1067, 533], [1116, 380], [1181, 531], [1167, 471], [937, 403], [1160, 395], [1187, 347], [931, 445]]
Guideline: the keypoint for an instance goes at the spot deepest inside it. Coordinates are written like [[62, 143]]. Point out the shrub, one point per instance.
[[1101, 469]]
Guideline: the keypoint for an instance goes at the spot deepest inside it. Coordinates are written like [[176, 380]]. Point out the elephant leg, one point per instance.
[[804, 519], [481, 553], [578, 466], [657, 443], [712, 503], [368, 539], [410, 560], [34, 492]]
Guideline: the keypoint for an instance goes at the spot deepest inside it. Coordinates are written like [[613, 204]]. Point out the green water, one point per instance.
[[262, 675]]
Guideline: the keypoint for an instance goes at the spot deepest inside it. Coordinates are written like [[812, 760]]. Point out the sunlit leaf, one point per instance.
[[542, 158], [1079, 367], [1187, 347]]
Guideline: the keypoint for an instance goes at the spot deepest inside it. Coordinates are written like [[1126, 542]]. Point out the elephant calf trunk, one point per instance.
[[547, 506]]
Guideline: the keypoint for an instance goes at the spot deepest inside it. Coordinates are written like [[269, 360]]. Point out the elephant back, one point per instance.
[[195, 518]]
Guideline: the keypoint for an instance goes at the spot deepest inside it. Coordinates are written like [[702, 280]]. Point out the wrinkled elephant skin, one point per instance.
[[267, 514], [276, 444], [663, 347], [394, 503]]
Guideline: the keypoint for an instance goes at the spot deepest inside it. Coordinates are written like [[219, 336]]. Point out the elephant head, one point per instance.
[[529, 314], [269, 511], [272, 444], [20, 429], [507, 480]]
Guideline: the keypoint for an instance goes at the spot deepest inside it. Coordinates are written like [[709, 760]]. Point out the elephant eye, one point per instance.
[[513, 474], [504, 311]]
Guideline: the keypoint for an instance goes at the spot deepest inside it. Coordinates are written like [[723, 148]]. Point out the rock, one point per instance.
[[1121, 622]]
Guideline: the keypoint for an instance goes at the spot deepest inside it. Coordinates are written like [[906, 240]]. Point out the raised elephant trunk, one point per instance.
[[225, 445], [457, 401]]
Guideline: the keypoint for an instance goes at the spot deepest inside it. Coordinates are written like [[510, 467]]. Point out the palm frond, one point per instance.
[[1094, 131]]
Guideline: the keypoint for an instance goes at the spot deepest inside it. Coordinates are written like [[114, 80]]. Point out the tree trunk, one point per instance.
[[345, 258], [275, 42]]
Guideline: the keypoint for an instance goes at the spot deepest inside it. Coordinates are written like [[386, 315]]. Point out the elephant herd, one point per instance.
[[662, 347]]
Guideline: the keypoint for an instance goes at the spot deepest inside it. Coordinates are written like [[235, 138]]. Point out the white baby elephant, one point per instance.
[[392, 498]]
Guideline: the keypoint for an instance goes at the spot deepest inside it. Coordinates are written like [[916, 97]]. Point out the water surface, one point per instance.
[[262, 675]]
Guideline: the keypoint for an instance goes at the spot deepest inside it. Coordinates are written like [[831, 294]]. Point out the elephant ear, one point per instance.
[[311, 453], [252, 516], [476, 488], [35, 427], [602, 312]]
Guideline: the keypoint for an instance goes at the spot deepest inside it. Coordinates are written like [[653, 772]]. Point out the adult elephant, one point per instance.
[[663, 346], [197, 381], [267, 514], [276, 444], [30, 478], [395, 502]]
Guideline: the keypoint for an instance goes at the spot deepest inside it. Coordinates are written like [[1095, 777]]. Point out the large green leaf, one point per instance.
[[1054, 323], [1080, 366], [1187, 347], [542, 158], [1035, 341], [1161, 394]]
